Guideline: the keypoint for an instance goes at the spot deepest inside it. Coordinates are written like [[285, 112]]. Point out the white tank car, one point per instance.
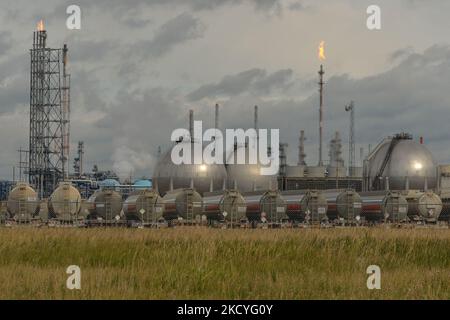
[[65, 203], [23, 203]]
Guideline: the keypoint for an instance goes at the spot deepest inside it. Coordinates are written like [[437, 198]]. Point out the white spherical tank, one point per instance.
[[409, 164], [202, 177], [247, 177]]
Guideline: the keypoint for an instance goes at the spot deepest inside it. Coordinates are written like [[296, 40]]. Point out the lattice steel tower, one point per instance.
[[49, 115]]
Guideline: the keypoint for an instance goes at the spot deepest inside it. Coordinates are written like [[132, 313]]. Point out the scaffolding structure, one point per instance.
[[49, 115]]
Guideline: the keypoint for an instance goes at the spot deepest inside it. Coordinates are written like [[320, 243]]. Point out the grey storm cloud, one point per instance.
[[5, 42], [193, 4], [182, 28], [12, 84], [253, 80]]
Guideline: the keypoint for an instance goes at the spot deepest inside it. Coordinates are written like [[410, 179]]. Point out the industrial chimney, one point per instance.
[[301, 149]]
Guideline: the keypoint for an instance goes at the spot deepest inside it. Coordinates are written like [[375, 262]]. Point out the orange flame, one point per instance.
[[40, 25], [321, 53]]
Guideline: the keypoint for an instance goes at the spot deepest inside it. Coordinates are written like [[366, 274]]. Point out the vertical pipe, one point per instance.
[[438, 178], [155, 186], [216, 118], [256, 119], [321, 73], [361, 155], [191, 125], [301, 149]]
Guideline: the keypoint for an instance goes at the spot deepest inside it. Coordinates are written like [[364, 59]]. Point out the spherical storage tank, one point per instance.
[[169, 176], [142, 184], [144, 205], [247, 177], [105, 204], [23, 203], [65, 202], [408, 163], [109, 183]]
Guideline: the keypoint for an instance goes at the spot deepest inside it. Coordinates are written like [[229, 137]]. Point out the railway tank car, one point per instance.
[[269, 205], [314, 206], [372, 206], [293, 208], [65, 203], [348, 205], [105, 204], [331, 196], [394, 207], [144, 205], [228, 205], [300, 203], [23, 204], [379, 205], [183, 203], [425, 206]]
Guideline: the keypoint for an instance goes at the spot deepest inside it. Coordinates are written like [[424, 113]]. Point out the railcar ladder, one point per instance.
[[22, 209], [108, 211], [189, 207]]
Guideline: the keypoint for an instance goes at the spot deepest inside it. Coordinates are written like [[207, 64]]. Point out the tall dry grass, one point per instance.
[[198, 263]]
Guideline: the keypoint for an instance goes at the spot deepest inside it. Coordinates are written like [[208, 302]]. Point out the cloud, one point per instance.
[[401, 53], [5, 42], [296, 6], [195, 5], [252, 80], [176, 31], [126, 162]]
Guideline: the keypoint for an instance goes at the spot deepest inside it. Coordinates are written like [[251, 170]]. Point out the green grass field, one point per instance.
[[200, 263]]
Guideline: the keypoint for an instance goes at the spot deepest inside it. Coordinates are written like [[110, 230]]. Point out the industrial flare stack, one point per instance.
[[49, 115]]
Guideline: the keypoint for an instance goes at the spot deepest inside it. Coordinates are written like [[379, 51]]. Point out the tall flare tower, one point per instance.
[[49, 115]]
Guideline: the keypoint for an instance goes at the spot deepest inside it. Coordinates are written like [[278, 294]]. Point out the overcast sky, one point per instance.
[[138, 67]]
